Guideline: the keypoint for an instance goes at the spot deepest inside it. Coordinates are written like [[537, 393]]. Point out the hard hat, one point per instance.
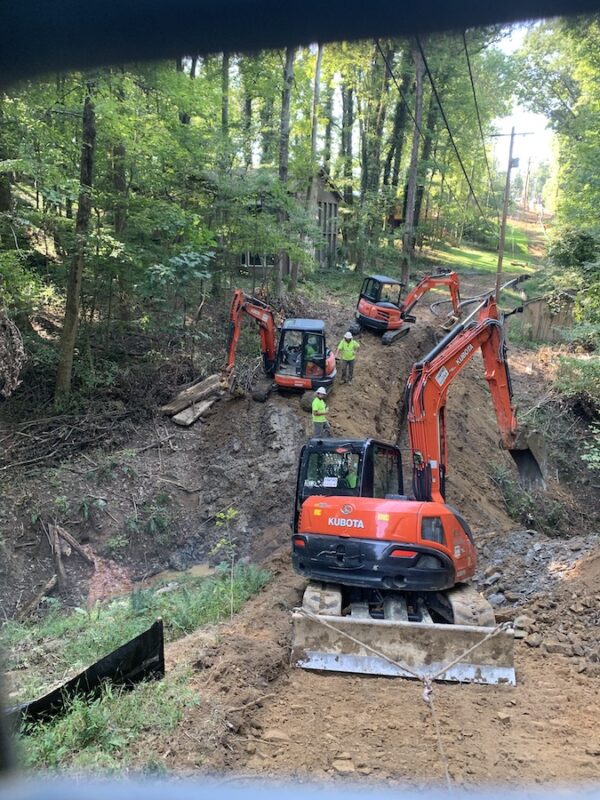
[[321, 390], [348, 335]]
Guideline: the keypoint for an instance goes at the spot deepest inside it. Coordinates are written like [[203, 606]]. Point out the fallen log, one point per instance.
[[189, 415], [29, 607], [193, 394], [58, 563], [74, 544]]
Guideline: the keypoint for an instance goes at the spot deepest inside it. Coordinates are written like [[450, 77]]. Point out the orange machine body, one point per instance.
[[380, 307], [296, 360]]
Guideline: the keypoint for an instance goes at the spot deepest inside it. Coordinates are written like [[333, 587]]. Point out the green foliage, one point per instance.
[[572, 247], [532, 509], [578, 379], [96, 734], [591, 454], [79, 638]]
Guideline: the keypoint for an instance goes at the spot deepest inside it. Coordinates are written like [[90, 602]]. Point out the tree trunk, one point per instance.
[[225, 96], [5, 188], [408, 244], [120, 224], [247, 129], [315, 107], [268, 132], [82, 221], [284, 153], [328, 113], [347, 126], [429, 133], [194, 68]]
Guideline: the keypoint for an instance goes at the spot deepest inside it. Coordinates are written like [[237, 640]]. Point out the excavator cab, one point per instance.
[[303, 359], [379, 304]]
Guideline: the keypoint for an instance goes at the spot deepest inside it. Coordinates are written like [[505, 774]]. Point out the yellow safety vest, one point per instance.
[[319, 409], [348, 349]]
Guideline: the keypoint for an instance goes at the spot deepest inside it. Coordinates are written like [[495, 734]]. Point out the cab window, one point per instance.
[[386, 476], [332, 473], [390, 293]]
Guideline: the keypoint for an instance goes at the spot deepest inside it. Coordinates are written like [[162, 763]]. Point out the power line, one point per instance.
[[487, 163], [446, 123], [412, 116]]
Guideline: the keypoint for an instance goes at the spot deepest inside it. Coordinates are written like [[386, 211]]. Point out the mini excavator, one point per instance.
[[389, 591], [381, 309], [300, 360]]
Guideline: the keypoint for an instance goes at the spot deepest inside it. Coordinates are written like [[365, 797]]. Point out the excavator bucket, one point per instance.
[[529, 454], [403, 649]]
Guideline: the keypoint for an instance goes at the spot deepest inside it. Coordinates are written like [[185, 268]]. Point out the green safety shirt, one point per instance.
[[348, 349], [352, 480], [319, 409]]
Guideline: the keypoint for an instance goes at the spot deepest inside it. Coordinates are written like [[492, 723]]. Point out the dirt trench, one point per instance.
[[256, 715]]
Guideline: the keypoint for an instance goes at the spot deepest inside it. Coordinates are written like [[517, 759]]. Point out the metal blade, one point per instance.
[[418, 649]]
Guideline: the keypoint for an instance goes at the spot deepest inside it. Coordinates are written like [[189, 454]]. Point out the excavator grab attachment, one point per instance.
[[529, 454], [395, 647]]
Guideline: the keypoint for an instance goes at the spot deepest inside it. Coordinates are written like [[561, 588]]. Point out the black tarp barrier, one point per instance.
[[139, 659]]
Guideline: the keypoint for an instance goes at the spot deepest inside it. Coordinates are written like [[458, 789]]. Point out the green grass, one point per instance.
[[64, 643], [103, 734], [98, 735]]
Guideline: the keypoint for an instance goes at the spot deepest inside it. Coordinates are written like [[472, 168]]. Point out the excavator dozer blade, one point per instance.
[[402, 649], [529, 454]]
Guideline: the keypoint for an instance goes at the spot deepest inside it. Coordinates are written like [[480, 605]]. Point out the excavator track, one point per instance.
[[396, 646], [389, 337]]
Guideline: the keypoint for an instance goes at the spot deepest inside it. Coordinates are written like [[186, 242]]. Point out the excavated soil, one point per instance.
[[257, 716]]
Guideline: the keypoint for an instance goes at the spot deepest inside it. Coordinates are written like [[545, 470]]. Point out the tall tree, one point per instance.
[[408, 242], [82, 222], [284, 153]]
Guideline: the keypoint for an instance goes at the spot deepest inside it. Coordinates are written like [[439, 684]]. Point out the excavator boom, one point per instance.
[[426, 394], [241, 303]]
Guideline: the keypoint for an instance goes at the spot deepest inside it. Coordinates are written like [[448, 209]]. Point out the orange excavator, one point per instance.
[[389, 591], [381, 309], [299, 360]]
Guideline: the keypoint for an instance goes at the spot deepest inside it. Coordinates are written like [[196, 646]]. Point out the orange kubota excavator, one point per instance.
[[299, 360], [380, 307], [388, 591]]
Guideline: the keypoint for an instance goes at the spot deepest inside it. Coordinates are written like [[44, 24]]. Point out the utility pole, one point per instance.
[[504, 214]]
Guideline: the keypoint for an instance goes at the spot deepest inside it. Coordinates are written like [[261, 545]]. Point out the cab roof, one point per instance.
[[312, 325], [385, 279]]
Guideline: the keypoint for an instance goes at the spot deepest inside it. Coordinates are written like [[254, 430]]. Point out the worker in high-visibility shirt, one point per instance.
[[319, 414], [346, 350]]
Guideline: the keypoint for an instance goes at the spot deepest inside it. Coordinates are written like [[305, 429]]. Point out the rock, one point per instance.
[[251, 748], [492, 579], [503, 717], [275, 735], [575, 546], [365, 770], [178, 561], [344, 756], [537, 547], [559, 648], [577, 608], [343, 766], [491, 570], [512, 597], [497, 599], [533, 640], [593, 750], [524, 622]]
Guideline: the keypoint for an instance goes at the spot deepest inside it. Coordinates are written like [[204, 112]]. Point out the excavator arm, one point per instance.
[[431, 282], [427, 389], [241, 303]]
